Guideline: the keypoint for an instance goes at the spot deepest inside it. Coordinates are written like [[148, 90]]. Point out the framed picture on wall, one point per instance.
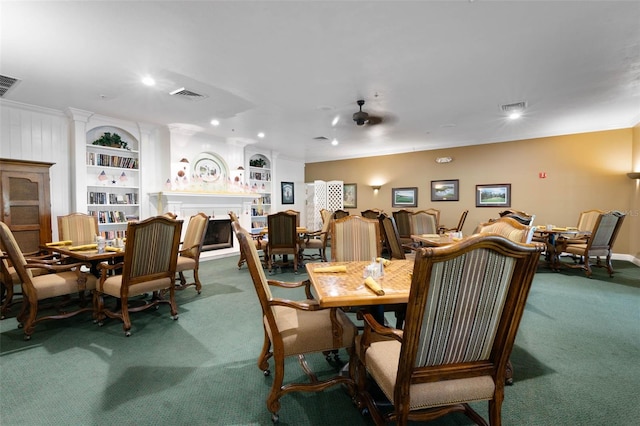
[[445, 190], [350, 195], [404, 197], [286, 189], [496, 195]]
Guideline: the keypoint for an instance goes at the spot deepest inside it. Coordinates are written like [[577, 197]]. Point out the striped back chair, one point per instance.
[[509, 228], [80, 228], [465, 305], [355, 238], [189, 254], [149, 265], [424, 222]]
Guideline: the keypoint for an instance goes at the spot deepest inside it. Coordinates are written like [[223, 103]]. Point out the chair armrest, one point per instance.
[[303, 306], [372, 326], [284, 284], [184, 250], [56, 267]]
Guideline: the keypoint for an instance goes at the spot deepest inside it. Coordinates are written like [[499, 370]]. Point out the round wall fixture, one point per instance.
[[441, 160]]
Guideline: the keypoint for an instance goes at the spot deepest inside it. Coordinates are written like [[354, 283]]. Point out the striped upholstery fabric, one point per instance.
[[355, 238], [78, 227], [587, 219], [509, 228], [464, 304], [149, 261], [423, 222]]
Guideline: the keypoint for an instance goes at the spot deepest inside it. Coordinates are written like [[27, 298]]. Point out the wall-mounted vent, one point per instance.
[[518, 106], [187, 94], [320, 138], [6, 83]]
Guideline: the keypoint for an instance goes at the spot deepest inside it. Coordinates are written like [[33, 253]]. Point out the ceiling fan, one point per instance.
[[361, 117]]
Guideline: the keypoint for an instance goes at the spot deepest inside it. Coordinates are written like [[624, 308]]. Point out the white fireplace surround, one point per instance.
[[214, 205]]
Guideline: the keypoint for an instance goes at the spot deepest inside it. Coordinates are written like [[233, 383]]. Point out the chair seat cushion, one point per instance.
[[185, 263], [62, 283], [112, 286], [310, 331], [382, 359], [313, 243]]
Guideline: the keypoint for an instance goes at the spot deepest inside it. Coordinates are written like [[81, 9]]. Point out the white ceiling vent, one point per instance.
[[6, 83], [518, 106], [188, 94]]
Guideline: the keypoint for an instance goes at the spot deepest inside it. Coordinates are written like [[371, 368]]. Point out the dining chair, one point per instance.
[[355, 238], [260, 243], [599, 243], [80, 228], [282, 240], [509, 228], [10, 283], [295, 212], [57, 281], [453, 351], [294, 329], [586, 223], [436, 213], [149, 266], [403, 223], [339, 214], [190, 249], [458, 228], [522, 217], [317, 240], [424, 222], [371, 213]]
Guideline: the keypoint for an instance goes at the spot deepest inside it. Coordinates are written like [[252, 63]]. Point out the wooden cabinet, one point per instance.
[[26, 203]]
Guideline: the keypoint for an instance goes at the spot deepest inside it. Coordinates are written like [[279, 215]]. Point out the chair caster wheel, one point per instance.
[[508, 382], [328, 358], [100, 323], [275, 418], [200, 291], [266, 373], [174, 317], [364, 411], [156, 307], [20, 325], [127, 333], [27, 337]]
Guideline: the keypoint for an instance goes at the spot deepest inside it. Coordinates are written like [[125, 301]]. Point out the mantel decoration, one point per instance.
[[112, 140]]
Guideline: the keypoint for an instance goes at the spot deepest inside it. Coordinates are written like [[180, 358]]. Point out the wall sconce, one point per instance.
[[444, 160], [375, 188], [634, 175], [184, 160]]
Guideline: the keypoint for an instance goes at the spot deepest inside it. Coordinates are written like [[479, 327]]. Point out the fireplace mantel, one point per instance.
[[214, 205]]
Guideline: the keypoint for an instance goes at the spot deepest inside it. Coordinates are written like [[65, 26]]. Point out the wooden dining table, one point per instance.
[[338, 289], [90, 255], [435, 240], [556, 241]]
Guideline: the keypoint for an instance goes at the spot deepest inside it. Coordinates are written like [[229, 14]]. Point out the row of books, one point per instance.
[[112, 216], [111, 198], [110, 235], [96, 159], [263, 200]]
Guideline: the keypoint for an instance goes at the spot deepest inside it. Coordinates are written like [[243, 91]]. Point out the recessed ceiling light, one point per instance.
[[334, 142], [335, 120], [515, 115], [148, 81], [261, 135], [215, 122]]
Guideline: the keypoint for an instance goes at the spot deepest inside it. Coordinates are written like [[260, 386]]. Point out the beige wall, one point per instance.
[[584, 171]]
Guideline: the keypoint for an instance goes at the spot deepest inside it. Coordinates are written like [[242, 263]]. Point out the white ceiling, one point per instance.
[[440, 69]]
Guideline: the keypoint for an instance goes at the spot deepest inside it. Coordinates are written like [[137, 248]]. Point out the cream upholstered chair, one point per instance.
[[294, 329], [80, 228], [509, 228], [586, 223], [149, 266], [453, 350], [355, 238], [599, 243], [190, 249], [522, 217], [60, 280], [424, 222], [436, 213]]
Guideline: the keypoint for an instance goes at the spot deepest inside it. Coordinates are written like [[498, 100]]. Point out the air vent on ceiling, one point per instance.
[[187, 94], [518, 106], [320, 138], [6, 83]]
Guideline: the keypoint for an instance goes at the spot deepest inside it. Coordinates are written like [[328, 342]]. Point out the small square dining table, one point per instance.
[[337, 289]]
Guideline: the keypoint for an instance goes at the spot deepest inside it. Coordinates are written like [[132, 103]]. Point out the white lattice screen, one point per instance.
[[326, 195]]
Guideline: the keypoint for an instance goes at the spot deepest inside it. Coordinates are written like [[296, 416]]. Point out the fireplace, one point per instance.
[[219, 235]]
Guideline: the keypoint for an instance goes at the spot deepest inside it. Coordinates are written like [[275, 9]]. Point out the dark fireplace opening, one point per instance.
[[219, 235]]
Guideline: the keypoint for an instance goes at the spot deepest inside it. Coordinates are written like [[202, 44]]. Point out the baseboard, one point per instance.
[[626, 257]]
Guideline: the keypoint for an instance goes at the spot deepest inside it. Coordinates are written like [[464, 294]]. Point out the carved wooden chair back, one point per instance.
[[424, 222], [509, 228]]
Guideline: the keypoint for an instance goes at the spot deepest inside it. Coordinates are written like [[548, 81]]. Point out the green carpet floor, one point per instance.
[[576, 360]]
